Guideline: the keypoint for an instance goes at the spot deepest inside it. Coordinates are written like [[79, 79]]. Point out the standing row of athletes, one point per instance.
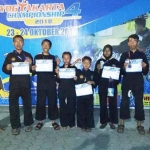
[[46, 87]]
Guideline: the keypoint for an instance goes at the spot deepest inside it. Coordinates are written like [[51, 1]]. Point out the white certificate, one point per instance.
[[20, 68], [135, 65], [66, 73], [83, 89], [44, 65], [111, 72]]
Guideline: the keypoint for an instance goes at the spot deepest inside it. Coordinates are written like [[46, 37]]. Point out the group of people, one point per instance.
[[69, 103]]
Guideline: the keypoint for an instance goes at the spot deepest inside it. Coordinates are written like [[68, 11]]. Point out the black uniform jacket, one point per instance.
[[46, 80], [84, 76], [66, 86], [103, 83], [135, 79], [17, 81]]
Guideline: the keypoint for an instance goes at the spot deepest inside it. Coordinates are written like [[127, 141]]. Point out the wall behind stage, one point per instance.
[[78, 26]]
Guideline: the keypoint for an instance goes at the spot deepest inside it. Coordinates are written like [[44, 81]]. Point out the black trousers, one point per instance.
[[112, 115], [14, 95], [67, 111], [85, 112], [124, 107], [42, 94]]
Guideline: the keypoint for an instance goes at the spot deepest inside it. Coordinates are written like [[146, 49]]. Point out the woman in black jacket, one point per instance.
[[103, 85]]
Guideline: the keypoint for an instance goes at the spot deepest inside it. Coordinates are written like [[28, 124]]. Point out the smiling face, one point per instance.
[[18, 43], [133, 43], [46, 46]]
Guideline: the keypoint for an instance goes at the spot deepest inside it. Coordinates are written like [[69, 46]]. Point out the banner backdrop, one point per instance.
[[81, 27]]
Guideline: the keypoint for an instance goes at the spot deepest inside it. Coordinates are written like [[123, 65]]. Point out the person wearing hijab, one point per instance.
[[110, 117]]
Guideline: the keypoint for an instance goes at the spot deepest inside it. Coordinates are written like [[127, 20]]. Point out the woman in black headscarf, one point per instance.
[[103, 85]]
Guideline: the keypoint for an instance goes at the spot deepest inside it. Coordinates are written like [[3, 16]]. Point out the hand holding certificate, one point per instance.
[[66, 73], [134, 65], [44, 65], [83, 89], [111, 72], [20, 68]]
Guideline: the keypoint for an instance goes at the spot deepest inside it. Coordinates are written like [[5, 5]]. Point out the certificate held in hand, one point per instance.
[[83, 89], [20, 68], [44, 65], [66, 73], [111, 72], [135, 65]]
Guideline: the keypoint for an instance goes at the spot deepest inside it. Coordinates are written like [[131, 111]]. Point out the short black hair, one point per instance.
[[141, 21], [47, 40], [66, 53], [134, 36], [18, 36], [86, 58]]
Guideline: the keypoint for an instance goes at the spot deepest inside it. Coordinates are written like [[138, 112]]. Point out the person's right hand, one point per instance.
[[126, 65], [33, 67], [57, 71], [9, 66], [98, 66]]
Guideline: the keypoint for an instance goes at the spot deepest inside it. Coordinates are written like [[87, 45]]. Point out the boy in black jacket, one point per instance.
[[46, 87], [85, 118], [133, 81], [103, 85], [19, 86]]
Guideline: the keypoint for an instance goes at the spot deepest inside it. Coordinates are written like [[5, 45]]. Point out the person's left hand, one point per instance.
[[110, 79], [144, 64], [28, 60], [57, 61], [75, 78], [90, 82], [57, 71]]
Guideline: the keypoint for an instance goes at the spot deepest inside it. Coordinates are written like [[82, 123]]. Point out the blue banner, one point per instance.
[[81, 27]]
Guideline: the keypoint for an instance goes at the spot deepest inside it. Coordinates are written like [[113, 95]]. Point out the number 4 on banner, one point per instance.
[[74, 9]]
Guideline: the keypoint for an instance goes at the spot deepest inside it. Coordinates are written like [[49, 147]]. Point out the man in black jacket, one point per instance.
[[133, 81], [46, 88], [19, 86]]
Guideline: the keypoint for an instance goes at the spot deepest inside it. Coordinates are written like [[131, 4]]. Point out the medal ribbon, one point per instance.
[[24, 57]]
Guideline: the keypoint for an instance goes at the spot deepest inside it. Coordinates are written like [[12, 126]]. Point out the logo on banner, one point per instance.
[[40, 14]]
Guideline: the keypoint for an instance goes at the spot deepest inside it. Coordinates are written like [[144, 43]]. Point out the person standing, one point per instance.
[[19, 87], [46, 88], [66, 94], [85, 119], [104, 84], [132, 81]]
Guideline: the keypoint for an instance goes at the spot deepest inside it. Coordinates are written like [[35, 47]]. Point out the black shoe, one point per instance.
[[28, 129], [15, 131], [102, 126], [141, 130], [112, 126]]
